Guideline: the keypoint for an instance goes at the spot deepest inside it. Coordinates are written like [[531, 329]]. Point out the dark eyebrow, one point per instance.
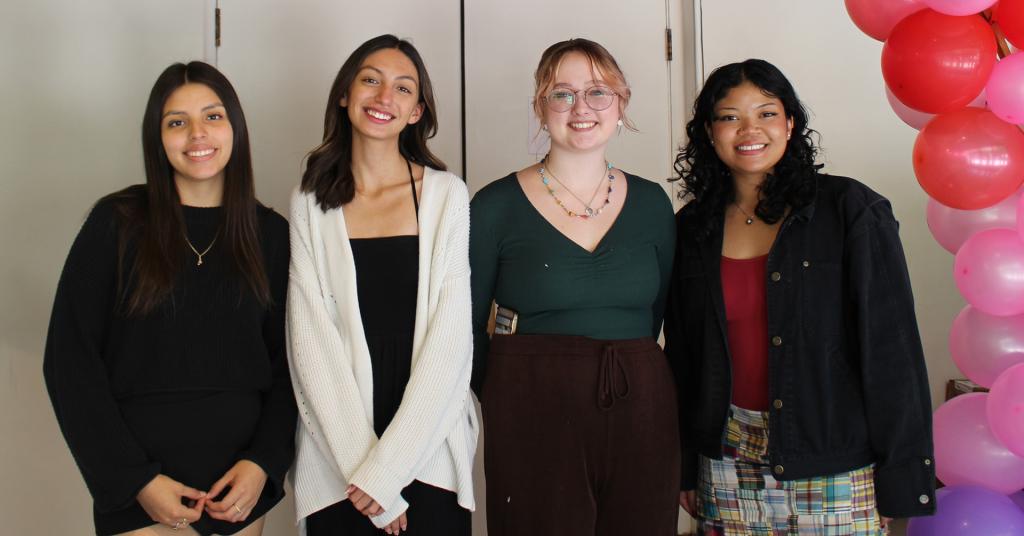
[[178, 112], [378, 71]]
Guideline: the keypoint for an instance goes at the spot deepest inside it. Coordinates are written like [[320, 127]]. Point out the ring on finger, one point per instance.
[[237, 509], [180, 524]]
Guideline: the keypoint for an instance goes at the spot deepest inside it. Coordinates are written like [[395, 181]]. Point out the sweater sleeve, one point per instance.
[[273, 446], [113, 463], [330, 409], [439, 382], [483, 257], [895, 382]]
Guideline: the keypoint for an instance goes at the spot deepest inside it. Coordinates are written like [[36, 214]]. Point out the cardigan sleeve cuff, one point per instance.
[[383, 485], [906, 489]]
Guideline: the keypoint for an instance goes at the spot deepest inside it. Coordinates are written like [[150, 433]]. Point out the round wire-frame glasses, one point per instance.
[[562, 99]]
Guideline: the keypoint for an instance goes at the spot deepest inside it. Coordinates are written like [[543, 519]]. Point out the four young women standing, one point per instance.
[[790, 326]]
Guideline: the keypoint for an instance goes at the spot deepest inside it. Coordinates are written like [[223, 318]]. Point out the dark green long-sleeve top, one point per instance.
[[521, 261]]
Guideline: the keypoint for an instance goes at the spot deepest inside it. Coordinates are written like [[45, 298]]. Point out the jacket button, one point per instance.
[[779, 469], [776, 276], [924, 499], [777, 404], [807, 264], [776, 341], [927, 461]]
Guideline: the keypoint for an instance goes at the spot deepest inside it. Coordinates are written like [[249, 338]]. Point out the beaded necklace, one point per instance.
[[589, 212]]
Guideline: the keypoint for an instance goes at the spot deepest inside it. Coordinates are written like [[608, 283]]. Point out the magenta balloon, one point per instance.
[[951, 227], [966, 452], [969, 159], [959, 7], [989, 271], [1005, 89], [983, 346], [969, 511], [877, 17], [1005, 409]]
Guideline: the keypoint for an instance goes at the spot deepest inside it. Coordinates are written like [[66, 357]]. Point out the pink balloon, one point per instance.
[[877, 17], [989, 271], [959, 7], [969, 159], [1020, 217], [1005, 409], [983, 346], [966, 452], [951, 227], [917, 119], [1005, 89]]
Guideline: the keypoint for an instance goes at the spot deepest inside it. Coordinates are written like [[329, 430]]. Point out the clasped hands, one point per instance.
[[369, 507], [174, 504]]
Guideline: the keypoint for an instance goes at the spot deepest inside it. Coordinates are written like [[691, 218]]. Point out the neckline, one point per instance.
[[625, 204], [747, 260]]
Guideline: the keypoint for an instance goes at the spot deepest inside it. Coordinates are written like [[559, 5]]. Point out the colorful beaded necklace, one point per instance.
[[589, 212]]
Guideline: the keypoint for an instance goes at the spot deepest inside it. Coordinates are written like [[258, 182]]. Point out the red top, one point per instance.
[[746, 315]]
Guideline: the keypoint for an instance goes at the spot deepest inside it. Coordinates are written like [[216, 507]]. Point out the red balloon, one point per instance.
[[878, 17], [938, 63], [1010, 16], [969, 159]]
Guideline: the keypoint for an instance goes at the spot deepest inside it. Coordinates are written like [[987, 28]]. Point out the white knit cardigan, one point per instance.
[[433, 436]]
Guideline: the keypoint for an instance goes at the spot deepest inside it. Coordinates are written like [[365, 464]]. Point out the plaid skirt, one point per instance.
[[739, 496]]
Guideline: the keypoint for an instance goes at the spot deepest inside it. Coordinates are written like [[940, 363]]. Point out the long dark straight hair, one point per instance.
[[151, 215], [329, 166]]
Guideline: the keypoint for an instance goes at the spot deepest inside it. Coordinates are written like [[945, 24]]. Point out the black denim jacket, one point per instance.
[[847, 377]]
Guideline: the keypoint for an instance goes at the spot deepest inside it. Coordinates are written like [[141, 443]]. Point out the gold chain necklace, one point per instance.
[[199, 261], [750, 219]]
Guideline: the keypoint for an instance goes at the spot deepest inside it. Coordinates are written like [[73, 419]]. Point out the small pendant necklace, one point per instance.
[[589, 211], [199, 256], [750, 219]]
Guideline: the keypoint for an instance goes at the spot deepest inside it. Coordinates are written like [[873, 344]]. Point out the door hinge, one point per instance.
[[216, 27], [668, 43]]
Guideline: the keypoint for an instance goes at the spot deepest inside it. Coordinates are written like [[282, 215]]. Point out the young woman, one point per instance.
[[578, 403], [378, 312], [803, 392], [165, 358]]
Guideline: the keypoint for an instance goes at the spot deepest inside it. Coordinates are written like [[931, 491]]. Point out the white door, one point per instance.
[[283, 56]]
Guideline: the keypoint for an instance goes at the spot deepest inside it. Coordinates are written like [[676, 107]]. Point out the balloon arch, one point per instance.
[[951, 73]]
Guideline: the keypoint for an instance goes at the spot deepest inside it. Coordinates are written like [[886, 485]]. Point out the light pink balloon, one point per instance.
[[917, 119], [876, 18], [966, 452], [983, 346], [1020, 217], [989, 271], [959, 7], [951, 227], [1005, 89], [1005, 409]]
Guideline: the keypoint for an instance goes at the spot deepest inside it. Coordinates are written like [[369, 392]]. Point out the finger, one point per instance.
[[403, 522], [190, 492], [218, 486], [373, 508]]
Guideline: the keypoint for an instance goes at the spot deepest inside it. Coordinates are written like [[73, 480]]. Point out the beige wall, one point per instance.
[[72, 91]]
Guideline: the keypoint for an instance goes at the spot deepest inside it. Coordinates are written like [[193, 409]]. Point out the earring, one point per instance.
[[619, 123], [788, 135], [712, 142], [544, 127]]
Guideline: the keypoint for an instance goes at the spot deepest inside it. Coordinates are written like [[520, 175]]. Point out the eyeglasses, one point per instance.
[[597, 98]]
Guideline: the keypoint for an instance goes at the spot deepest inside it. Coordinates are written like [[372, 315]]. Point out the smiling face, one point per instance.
[[749, 130], [196, 134], [580, 128], [384, 96]]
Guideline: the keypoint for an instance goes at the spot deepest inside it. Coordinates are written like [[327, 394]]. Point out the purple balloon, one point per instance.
[[1005, 89], [1005, 409], [966, 452], [989, 271], [951, 227], [970, 511], [1018, 499], [983, 346]]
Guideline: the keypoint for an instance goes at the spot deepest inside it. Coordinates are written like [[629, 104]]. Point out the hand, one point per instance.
[[161, 499], [688, 500], [884, 522], [363, 502], [399, 525], [246, 480]]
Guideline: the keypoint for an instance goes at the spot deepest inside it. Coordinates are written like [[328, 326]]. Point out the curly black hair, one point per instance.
[[707, 182]]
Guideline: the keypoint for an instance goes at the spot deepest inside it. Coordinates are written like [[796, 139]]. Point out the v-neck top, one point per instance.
[[521, 261]]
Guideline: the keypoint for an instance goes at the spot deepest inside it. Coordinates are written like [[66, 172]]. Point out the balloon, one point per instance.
[[1010, 16], [989, 271], [1018, 499], [966, 452], [969, 159], [952, 227], [877, 17], [1020, 218], [916, 119], [1005, 409], [969, 511], [959, 7], [983, 346], [1005, 89], [937, 63]]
